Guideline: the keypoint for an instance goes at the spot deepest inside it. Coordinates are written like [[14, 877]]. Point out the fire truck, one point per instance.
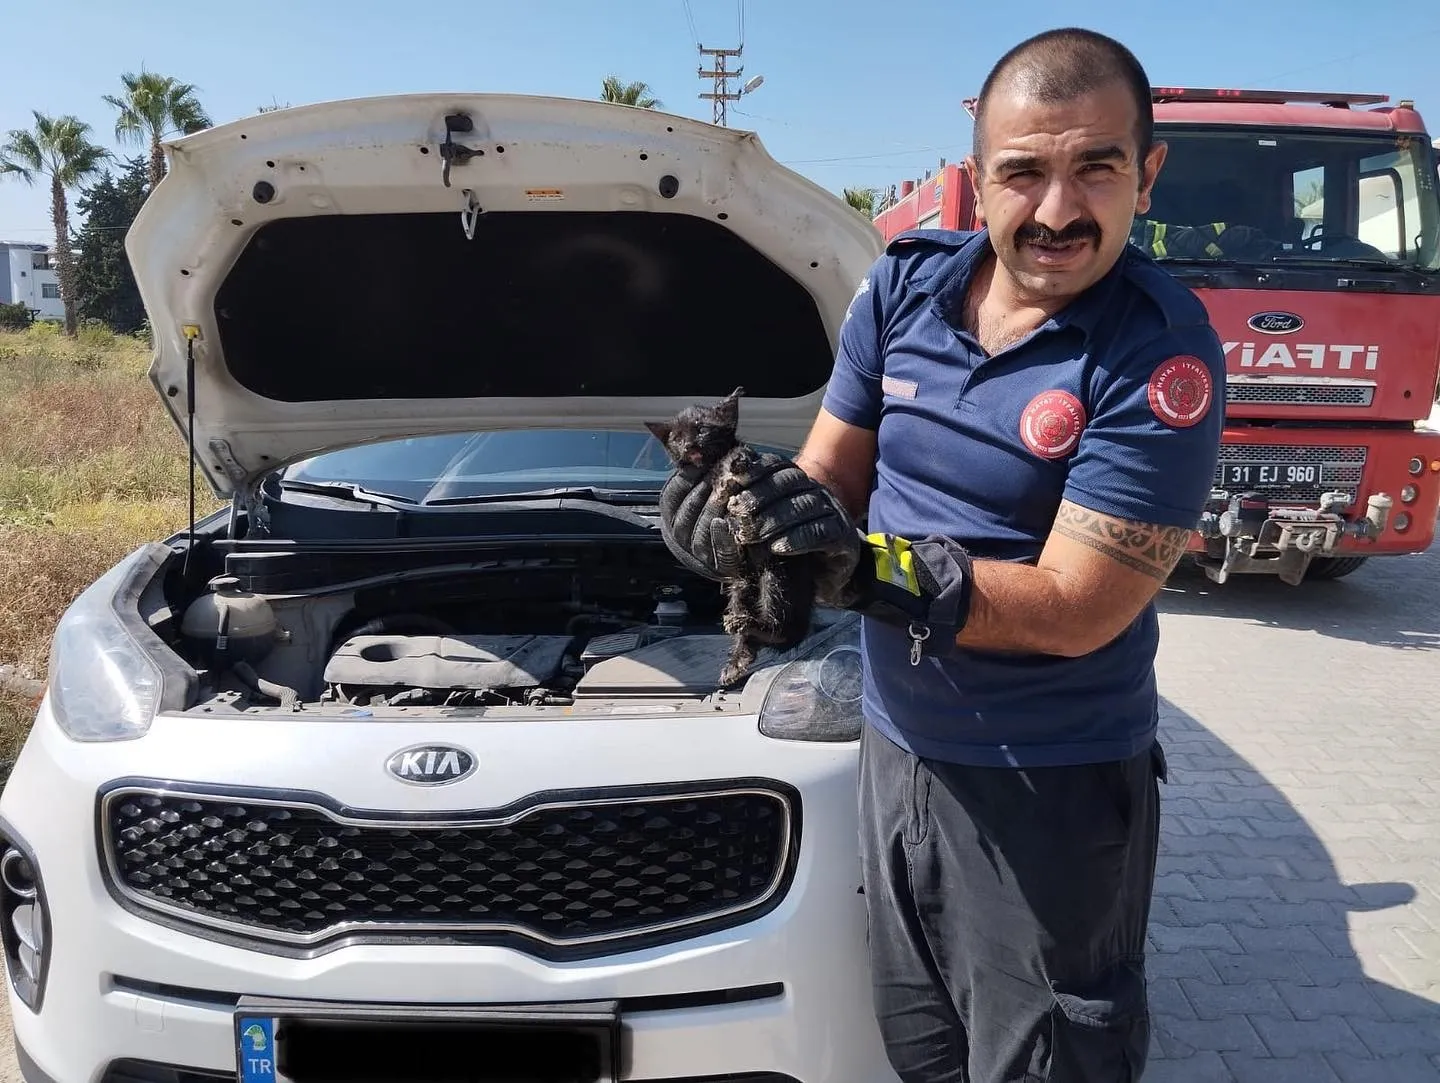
[[1309, 226]]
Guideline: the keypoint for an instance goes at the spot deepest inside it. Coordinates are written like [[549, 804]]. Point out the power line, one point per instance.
[[898, 153], [690, 19]]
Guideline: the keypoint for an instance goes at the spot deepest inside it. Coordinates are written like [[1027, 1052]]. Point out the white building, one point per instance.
[[27, 277]]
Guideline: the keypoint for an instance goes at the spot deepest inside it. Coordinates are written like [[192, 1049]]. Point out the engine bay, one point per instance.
[[558, 626]]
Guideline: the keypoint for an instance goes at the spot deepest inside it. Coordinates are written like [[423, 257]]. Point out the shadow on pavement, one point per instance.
[[1253, 967], [1390, 602]]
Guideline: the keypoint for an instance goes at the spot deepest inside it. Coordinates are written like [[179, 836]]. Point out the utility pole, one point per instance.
[[722, 93]]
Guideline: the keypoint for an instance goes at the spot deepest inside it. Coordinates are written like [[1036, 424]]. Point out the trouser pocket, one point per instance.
[[1100, 1032]]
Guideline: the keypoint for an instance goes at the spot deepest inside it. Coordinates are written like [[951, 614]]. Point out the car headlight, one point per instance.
[[103, 685], [817, 697]]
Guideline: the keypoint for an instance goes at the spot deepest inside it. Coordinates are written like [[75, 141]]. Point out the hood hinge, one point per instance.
[[247, 492]]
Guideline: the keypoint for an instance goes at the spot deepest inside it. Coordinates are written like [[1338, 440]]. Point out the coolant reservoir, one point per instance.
[[230, 625]]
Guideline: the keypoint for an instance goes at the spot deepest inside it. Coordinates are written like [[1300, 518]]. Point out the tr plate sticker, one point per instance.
[[1051, 424], [257, 1050], [1180, 391]]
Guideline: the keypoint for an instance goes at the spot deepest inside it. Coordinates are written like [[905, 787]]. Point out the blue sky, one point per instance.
[[855, 93]]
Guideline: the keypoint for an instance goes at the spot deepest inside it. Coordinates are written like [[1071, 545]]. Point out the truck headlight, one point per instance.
[[817, 697], [103, 685]]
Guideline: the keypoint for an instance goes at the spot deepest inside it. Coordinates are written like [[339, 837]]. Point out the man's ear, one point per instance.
[[659, 429], [1149, 173], [972, 169]]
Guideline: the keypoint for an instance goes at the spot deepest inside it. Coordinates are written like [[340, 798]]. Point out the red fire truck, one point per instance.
[[1309, 225]]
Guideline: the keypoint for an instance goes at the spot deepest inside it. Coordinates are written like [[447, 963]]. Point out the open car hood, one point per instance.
[[386, 267]]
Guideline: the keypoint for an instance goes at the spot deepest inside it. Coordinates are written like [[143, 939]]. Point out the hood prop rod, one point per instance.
[[192, 332]]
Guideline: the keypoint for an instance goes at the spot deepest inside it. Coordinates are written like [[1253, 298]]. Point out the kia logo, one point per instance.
[[1275, 323], [431, 765]]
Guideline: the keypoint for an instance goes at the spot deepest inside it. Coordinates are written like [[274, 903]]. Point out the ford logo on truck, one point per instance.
[[431, 765], [1275, 323]]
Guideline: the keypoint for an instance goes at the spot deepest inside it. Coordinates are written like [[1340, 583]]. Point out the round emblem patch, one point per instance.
[[1052, 423], [1180, 391]]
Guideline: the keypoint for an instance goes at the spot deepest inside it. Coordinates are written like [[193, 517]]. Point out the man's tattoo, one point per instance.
[[1145, 547]]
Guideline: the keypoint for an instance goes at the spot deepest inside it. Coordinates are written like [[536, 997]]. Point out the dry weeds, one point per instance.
[[90, 468]]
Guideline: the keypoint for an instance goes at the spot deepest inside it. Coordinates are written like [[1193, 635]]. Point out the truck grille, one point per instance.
[[1271, 392], [566, 876], [1341, 467]]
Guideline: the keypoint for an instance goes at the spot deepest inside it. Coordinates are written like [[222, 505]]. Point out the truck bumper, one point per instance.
[[1285, 497]]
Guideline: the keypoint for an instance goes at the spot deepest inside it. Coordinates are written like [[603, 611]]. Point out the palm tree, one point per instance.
[[637, 94], [154, 107], [862, 200], [58, 149]]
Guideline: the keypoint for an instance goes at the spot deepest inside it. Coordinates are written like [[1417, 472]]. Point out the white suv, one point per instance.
[[412, 764]]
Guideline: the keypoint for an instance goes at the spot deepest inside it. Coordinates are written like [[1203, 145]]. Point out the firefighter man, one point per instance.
[[1030, 418]]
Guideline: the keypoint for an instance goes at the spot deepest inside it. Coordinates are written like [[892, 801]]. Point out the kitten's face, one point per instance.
[[699, 436]]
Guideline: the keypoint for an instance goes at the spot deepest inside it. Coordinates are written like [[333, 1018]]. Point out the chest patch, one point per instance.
[[905, 389], [1180, 391], [1051, 424]]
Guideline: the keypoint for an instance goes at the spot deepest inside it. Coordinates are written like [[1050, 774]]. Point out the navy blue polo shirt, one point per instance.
[[1116, 404]]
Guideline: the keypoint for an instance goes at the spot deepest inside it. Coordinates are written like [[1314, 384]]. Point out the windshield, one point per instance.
[[457, 466], [1261, 195]]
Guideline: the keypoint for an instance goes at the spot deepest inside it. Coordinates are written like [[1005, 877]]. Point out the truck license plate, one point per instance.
[[292, 1041], [1263, 475]]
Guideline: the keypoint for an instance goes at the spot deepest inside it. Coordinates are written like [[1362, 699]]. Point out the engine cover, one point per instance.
[[687, 665], [450, 661]]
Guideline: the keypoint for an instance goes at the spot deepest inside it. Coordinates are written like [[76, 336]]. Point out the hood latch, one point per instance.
[[451, 151]]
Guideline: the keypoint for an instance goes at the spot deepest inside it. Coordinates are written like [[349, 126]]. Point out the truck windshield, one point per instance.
[[1264, 195]]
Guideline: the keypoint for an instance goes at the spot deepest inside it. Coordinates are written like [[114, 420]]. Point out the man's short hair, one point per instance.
[[1059, 65]]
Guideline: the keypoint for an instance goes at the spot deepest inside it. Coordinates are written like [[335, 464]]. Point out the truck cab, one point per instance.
[[1309, 224]]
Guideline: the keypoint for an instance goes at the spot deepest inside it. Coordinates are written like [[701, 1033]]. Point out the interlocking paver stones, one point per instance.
[[1296, 930]]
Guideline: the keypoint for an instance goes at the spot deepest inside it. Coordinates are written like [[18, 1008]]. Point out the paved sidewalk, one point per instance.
[[1296, 926]]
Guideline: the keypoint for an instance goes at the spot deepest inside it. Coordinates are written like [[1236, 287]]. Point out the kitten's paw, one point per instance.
[[740, 515], [734, 623]]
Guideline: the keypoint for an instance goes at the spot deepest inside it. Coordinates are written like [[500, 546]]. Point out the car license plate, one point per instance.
[[298, 1041], [1268, 475]]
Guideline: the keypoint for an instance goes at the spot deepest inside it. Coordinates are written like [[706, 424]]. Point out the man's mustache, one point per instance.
[[1035, 233]]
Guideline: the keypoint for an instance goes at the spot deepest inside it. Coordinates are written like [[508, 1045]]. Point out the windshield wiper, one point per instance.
[[342, 490], [1348, 261], [574, 492]]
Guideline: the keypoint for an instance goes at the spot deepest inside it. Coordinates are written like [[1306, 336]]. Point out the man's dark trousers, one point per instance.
[[1007, 915]]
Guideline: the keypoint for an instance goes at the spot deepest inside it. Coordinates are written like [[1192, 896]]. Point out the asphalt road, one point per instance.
[[1296, 929]]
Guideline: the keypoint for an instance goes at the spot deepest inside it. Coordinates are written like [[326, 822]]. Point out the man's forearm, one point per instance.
[[1094, 575], [1022, 609], [854, 503]]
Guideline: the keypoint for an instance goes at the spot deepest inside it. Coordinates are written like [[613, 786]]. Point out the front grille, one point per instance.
[[1273, 393], [574, 873], [1341, 467]]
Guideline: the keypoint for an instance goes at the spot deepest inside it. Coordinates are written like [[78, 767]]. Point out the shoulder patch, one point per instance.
[[1181, 391]]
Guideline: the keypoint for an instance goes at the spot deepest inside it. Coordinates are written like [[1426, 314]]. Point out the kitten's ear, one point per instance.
[[728, 411], [737, 393], [660, 430]]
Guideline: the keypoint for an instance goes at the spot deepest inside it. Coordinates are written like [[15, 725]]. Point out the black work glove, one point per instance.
[[783, 510], [923, 587]]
